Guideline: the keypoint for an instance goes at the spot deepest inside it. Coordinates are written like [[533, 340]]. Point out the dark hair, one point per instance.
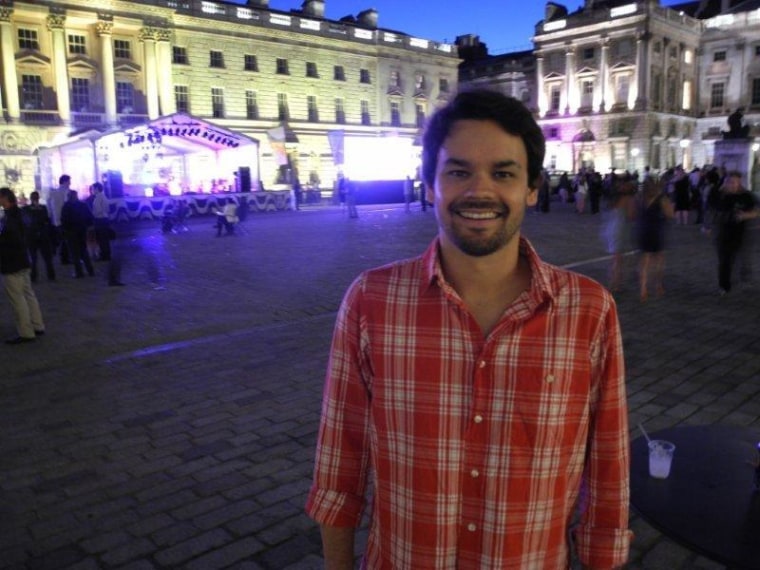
[[97, 187], [34, 195], [64, 179], [7, 193], [484, 105]]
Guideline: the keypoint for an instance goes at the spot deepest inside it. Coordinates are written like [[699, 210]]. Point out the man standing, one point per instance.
[[76, 217], [735, 207], [55, 201], [102, 222], [16, 269], [39, 236], [482, 388]]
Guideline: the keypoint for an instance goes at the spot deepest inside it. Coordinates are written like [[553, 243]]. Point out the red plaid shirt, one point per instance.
[[483, 449]]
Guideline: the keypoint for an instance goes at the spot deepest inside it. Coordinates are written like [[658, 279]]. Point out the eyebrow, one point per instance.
[[452, 161]]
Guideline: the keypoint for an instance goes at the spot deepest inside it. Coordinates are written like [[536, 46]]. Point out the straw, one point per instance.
[[646, 435]]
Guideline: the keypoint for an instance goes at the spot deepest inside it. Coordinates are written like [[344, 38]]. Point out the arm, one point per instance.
[[338, 547], [603, 537]]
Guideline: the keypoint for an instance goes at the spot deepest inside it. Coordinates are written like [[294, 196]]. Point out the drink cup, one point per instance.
[[660, 458]]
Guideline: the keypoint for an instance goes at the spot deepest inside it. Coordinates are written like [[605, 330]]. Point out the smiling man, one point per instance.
[[479, 389]]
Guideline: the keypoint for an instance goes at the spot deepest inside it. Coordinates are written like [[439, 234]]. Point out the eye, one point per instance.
[[504, 174], [457, 173]]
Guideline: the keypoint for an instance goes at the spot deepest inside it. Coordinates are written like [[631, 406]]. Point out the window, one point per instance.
[[395, 114], [122, 49], [250, 63], [216, 59], [251, 105], [674, 52], [671, 92], [657, 47], [366, 119], [587, 93], [364, 76], [687, 56], [77, 45], [553, 132], [31, 92], [656, 88], [719, 55], [395, 79], [27, 39], [80, 95], [588, 53], [716, 95], [313, 112], [420, 114], [311, 69], [182, 98], [623, 85], [282, 66], [340, 113], [443, 85], [283, 113], [125, 97], [554, 98], [419, 82], [217, 102], [179, 55], [687, 95], [339, 73]]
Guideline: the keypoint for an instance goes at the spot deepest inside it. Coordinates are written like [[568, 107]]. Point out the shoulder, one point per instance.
[[577, 296]]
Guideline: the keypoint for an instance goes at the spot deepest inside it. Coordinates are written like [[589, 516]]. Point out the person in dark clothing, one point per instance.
[[681, 196], [654, 210], [15, 267], [595, 187], [735, 207], [76, 217], [39, 234]]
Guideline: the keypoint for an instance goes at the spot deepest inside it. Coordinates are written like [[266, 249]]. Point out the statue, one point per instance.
[[736, 127]]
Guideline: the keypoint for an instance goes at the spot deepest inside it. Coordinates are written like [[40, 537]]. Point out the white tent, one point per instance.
[[172, 154]]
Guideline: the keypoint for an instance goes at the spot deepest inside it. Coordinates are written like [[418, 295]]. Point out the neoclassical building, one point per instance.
[[624, 85], [77, 66]]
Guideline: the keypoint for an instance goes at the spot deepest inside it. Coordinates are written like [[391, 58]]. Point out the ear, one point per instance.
[[532, 198], [429, 193]]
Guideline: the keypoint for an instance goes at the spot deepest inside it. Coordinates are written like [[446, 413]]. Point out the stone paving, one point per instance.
[[171, 423]]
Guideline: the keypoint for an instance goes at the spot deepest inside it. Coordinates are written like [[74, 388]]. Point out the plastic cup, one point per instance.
[[660, 458]]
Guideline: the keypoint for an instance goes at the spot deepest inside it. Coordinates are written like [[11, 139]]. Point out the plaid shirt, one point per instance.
[[484, 449]]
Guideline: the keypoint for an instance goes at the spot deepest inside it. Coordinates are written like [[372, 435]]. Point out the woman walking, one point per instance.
[[654, 210]]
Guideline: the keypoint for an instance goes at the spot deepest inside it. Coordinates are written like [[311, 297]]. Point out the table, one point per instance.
[[708, 503]]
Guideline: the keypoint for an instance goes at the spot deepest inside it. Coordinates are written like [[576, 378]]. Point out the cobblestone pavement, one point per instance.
[[171, 423]]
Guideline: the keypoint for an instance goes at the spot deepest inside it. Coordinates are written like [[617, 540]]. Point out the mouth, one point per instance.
[[478, 210]]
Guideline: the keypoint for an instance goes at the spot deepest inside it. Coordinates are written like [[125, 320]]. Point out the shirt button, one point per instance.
[[475, 473], [482, 364], [471, 527], [477, 419], [550, 378]]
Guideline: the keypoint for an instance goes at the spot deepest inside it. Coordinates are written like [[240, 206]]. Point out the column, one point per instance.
[[542, 103], [9, 64], [148, 37], [642, 70], [604, 76], [104, 28], [55, 23], [571, 92], [165, 83]]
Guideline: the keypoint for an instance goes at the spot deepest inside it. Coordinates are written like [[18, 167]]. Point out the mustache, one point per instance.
[[478, 204]]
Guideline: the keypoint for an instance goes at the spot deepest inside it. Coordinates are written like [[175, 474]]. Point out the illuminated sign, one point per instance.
[[558, 25], [623, 10], [392, 38], [416, 42], [310, 25], [211, 8], [279, 19], [362, 34]]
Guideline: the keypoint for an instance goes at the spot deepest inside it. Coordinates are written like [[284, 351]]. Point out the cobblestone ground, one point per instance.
[[171, 423]]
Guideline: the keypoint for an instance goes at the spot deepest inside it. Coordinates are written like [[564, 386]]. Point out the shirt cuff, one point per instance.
[[602, 548], [333, 508]]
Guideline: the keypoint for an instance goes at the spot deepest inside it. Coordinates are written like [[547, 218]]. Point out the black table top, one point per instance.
[[708, 503]]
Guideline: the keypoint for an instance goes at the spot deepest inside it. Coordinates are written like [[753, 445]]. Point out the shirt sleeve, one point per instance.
[[336, 497], [603, 538]]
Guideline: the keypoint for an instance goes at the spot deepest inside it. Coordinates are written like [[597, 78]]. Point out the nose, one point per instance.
[[479, 183]]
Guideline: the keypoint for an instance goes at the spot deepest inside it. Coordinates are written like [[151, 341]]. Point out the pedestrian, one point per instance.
[[350, 187], [423, 196], [617, 230], [681, 196], [15, 268], [735, 207], [480, 388], [102, 222], [76, 220], [408, 194], [581, 190], [40, 236], [56, 199], [654, 211]]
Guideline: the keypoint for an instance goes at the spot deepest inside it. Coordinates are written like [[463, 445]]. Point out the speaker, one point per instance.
[[114, 184], [244, 179]]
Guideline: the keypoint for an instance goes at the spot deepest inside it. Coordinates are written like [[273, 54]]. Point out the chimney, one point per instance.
[[368, 18], [259, 3], [553, 11], [314, 8]]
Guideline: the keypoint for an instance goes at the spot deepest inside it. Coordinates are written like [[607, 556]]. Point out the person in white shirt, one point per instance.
[[102, 222]]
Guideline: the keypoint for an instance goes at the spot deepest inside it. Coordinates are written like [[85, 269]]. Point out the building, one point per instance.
[[623, 85], [297, 78]]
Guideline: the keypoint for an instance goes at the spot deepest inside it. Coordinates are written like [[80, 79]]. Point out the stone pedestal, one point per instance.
[[735, 155]]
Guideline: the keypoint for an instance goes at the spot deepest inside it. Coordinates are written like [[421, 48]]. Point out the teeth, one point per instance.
[[479, 215]]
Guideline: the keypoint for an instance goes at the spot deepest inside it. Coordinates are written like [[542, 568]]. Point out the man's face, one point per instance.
[[733, 184], [4, 202], [480, 191]]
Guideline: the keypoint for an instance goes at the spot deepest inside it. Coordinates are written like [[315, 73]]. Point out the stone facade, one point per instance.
[[74, 65]]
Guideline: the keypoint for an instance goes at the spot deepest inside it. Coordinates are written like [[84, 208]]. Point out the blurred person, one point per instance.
[[39, 236], [56, 199], [654, 210], [101, 222], [617, 230], [408, 193], [76, 220], [351, 198], [480, 388], [681, 196], [735, 208], [581, 191], [15, 268]]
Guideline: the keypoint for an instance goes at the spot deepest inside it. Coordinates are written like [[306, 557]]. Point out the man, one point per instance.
[[734, 208], [102, 222], [15, 268], [55, 201], [39, 240], [482, 388], [76, 217]]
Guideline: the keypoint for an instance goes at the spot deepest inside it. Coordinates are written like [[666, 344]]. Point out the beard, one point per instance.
[[480, 242]]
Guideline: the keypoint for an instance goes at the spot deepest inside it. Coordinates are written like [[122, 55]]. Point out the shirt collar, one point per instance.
[[542, 286]]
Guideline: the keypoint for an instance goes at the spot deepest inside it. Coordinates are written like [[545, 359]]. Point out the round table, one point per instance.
[[709, 502]]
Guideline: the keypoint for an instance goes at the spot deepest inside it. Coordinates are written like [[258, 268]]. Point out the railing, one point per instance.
[[88, 119], [47, 118], [132, 120]]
